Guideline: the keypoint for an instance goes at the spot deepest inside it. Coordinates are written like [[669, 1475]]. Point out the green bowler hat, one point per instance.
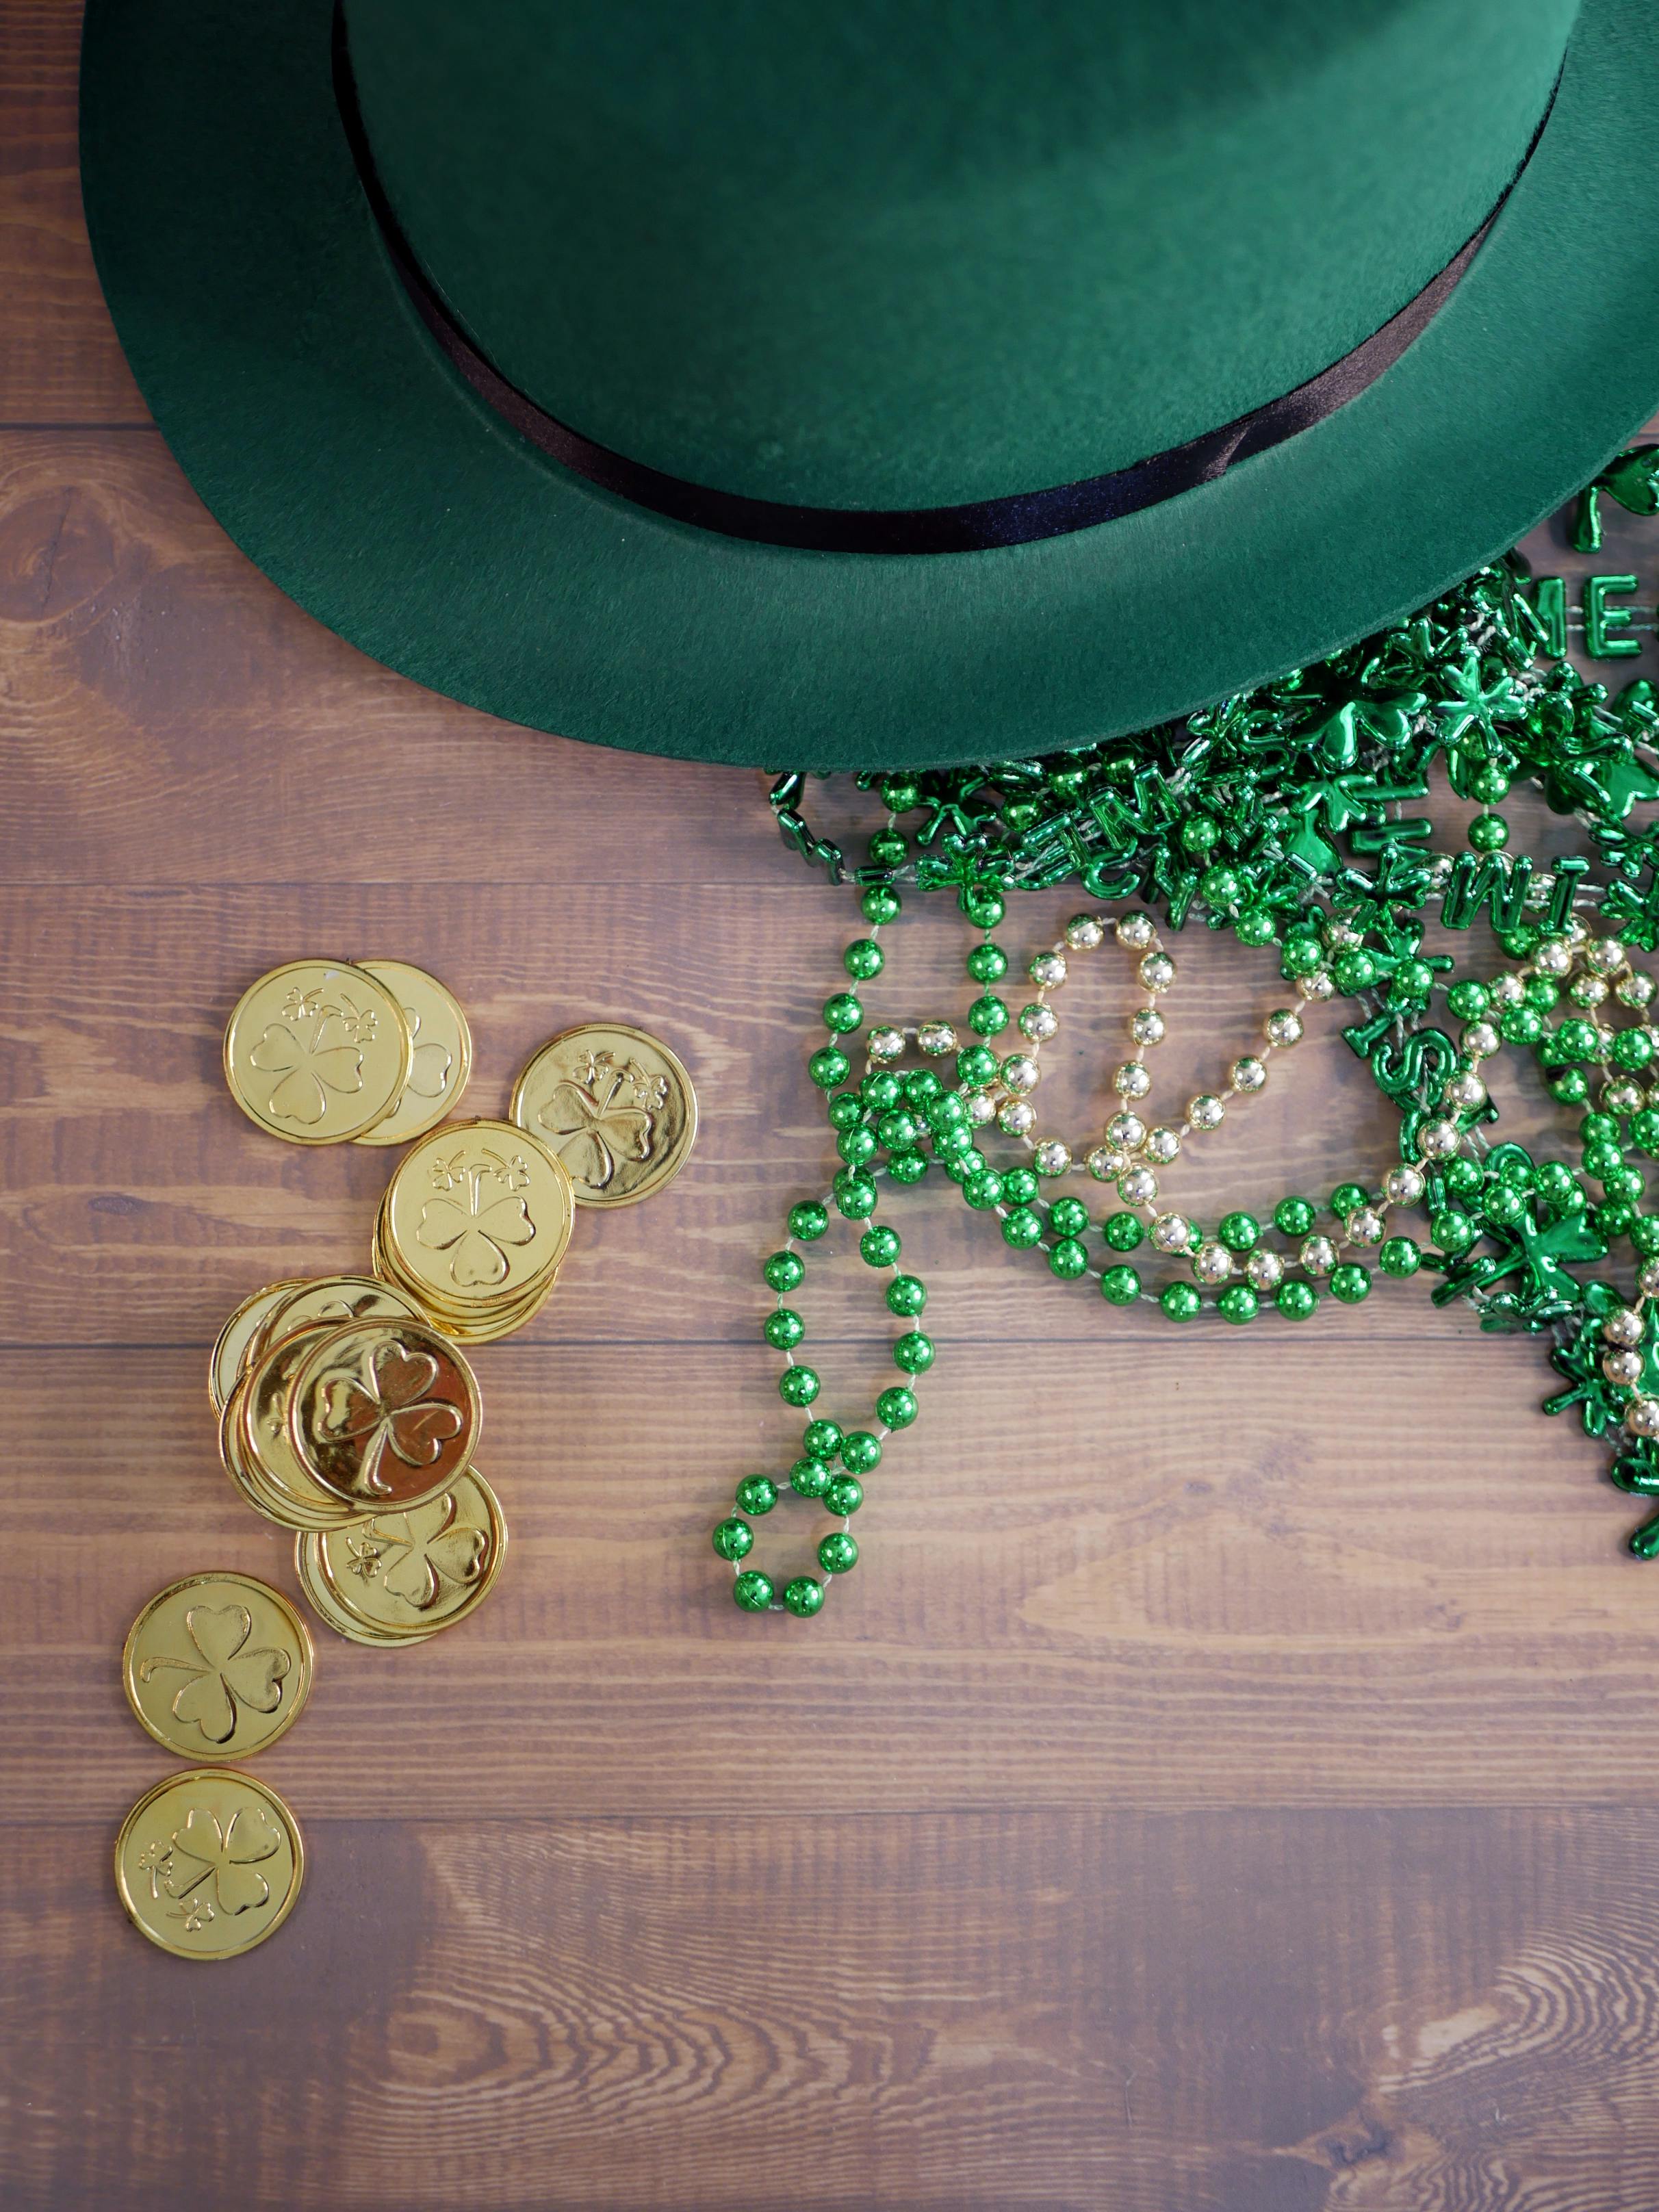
[[875, 383]]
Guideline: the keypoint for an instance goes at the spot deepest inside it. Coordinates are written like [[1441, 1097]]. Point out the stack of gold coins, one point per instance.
[[473, 1226], [345, 1415], [328, 1052]]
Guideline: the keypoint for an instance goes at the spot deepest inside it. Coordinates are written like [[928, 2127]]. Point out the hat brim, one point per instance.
[[318, 420]]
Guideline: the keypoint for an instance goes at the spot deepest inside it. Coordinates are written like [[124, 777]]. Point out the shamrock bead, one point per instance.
[[734, 1539], [1119, 1285], [1123, 1231], [842, 1012], [987, 963], [752, 1591], [879, 1246], [783, 1271], [1022, 1228], [896, 1408], [1294, 1217], [828, 1067], [1068, 1259], [1239, 1233], [808, 1220], [838, 1554], [784, 1329], [861, 1452], [863, 959], [757, 1494], [1238, 1303], [1068, 1217], [914, 1354], [822, 1439], [880, 903], [907, 1295], [798, 1385], [810, 1478], [987, 1016], [1180, 1301], [1351, 1282], [803, 1596], [1400, 1255], [1295, 1300]]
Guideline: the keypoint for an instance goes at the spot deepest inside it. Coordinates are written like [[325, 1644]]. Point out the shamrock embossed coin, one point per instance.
[[209, 1863], [615, 1106], [442, 1059], [399, 1576], [333, 1298], [475, 1222], [217, 1666], [317, 1051], [238, 1337], [384, 1412]]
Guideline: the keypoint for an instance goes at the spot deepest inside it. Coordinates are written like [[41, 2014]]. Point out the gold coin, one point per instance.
[[441, 1059], [330, 1612], [237, 1338], [263, 1455], [240, 1466], [209, 1863], [383, 1413], [317, 1051], [464, 1328], [615, 1106], [403, 1576], [334, 1299], [217, 1666], [478, 1216]]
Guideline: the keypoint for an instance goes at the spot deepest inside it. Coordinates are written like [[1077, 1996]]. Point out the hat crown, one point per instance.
[[895, 257]]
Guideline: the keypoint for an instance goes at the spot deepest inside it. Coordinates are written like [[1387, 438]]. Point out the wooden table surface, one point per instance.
[[1227, 1781]]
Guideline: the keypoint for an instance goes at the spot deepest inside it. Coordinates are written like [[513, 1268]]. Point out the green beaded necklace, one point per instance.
[[1280, 815]]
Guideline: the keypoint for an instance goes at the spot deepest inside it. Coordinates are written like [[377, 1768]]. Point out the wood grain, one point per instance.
[[1221, 1788]]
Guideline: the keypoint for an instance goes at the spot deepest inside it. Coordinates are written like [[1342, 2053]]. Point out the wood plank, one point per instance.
[[1133, 1578], [173, 717], [60, 361], [1237, 2012]]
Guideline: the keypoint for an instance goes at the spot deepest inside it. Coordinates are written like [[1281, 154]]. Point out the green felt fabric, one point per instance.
[[873, 255], [314, 417]]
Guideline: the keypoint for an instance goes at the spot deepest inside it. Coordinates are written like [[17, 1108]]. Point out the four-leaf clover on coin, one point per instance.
[[378, 1404], [205, 1864], [477, 1230], [224, 1673], [432, 1551], [312, 1050], [601, 1115]]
